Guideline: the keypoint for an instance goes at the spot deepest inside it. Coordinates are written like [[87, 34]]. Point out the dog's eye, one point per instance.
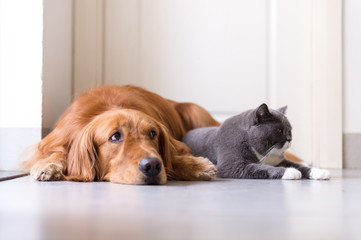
[[152, 134], [279, 130], [116, 137]]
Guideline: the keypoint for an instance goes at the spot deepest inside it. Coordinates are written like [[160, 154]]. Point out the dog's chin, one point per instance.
[[140, 179], [157, 180]]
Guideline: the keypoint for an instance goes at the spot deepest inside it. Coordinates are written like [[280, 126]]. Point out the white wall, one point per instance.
[[33, 95], [226, 55], [352, 66], [213, 53], [191, 51], [21, 63], [20, 77]]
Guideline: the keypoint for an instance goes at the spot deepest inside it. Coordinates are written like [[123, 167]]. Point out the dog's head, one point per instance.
[[121, 146]]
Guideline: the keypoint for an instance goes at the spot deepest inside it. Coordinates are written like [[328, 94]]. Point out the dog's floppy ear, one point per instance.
[[167, 148], [82, 164]]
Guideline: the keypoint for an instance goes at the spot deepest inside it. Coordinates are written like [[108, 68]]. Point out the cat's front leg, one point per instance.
[[309, 173], [258, 171], [262, 171]]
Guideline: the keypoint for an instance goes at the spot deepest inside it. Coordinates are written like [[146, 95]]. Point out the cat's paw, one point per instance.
[[319, 174], [49, 172], [292, 174]]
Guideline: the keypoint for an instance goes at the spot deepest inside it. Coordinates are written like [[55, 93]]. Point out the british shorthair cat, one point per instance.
[[251, 145]]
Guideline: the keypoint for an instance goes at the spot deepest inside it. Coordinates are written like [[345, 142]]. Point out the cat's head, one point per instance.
[[270, 129]]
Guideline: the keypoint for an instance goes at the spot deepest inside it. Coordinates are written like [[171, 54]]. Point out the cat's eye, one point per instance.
[[152, 134], [116, 137]]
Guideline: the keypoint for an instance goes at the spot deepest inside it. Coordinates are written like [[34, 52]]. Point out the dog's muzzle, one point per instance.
[[151, 167]]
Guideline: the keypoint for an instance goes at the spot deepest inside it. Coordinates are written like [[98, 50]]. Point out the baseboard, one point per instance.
[[352, 150], [13, 144]]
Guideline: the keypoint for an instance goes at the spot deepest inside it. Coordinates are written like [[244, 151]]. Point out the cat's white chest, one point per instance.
[[273, 157]]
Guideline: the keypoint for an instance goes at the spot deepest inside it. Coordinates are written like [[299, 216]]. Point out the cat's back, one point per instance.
[[201, 142], [236, 124]]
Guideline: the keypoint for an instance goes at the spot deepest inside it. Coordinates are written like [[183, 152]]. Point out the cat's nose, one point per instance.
[[289, 138]]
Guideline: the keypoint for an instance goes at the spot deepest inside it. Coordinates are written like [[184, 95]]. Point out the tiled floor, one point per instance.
[[221, 209]]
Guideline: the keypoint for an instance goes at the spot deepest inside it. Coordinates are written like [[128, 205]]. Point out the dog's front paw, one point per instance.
[[292, 174], [49, 172], [207, 169], [319, 174]]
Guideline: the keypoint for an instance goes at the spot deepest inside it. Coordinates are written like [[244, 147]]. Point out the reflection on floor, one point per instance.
[[220, 209]]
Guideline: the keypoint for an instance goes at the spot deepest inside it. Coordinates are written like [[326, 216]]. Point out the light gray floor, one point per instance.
[[221, 209]]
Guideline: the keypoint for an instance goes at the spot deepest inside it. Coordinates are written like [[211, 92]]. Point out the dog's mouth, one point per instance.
[[152, 180]]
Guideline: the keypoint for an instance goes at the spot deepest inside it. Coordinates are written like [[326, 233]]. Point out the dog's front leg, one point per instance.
[[51, 168], [190, 168]]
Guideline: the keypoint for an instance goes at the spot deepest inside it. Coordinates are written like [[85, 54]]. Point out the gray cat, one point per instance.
[[251, 145]]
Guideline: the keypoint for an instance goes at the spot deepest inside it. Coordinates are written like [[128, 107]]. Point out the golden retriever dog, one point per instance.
[[122, 134]]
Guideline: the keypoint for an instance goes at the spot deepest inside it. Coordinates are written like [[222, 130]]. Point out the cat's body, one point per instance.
[[251, 145]]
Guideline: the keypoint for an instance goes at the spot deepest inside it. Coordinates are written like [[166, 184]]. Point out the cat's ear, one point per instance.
[[262, 114], [282, 109]]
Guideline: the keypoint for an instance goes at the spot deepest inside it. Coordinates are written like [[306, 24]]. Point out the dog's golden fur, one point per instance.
[[79, 147]]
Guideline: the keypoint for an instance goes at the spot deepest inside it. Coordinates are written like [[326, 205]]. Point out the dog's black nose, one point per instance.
[[150, 166]]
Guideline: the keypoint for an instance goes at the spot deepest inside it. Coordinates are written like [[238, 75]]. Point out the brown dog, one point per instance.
[[123, 135]]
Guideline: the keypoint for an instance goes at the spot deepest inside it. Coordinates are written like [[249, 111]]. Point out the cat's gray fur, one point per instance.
[[248, 145]]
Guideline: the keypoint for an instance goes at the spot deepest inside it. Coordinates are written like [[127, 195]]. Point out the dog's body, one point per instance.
[[124, 135]]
